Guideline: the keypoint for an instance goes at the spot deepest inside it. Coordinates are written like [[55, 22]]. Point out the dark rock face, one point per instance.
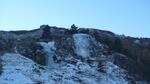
[[31, 49], [144, 64], [7, 43], [127, 63]]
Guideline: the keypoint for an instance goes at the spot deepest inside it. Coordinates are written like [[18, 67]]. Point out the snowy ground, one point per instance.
[[15, 69], [18, 69]]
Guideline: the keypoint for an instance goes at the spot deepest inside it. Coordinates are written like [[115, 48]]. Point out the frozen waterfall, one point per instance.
[[49, 49], [82, 44]]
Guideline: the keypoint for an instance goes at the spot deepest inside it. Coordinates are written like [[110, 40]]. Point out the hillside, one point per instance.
[[52, 55]]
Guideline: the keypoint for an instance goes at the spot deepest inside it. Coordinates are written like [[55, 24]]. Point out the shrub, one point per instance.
[[46, 32], [73, 29]]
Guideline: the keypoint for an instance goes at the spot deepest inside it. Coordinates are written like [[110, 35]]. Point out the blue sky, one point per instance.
[[129, 17]]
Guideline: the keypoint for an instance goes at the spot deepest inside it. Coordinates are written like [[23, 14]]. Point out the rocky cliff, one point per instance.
[[53, 55]]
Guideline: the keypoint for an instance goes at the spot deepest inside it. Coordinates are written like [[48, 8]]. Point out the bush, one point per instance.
[[46, 32], [73, 29]]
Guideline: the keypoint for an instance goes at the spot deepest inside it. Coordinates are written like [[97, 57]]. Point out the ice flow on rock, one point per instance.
[[49, 49]]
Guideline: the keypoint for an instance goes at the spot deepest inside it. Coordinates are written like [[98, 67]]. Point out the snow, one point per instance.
[[14, 68], [113, 75], [49, 49], [16, 78], [82, 44], [19, 69]]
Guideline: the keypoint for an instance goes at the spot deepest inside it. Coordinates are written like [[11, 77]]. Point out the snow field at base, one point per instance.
[[18, 69]]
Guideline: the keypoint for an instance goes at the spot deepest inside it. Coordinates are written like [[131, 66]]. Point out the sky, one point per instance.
[[129, 17]]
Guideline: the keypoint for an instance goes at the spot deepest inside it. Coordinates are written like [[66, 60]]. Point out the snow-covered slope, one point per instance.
[[15, 69], [18, 69], [70, 59]]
